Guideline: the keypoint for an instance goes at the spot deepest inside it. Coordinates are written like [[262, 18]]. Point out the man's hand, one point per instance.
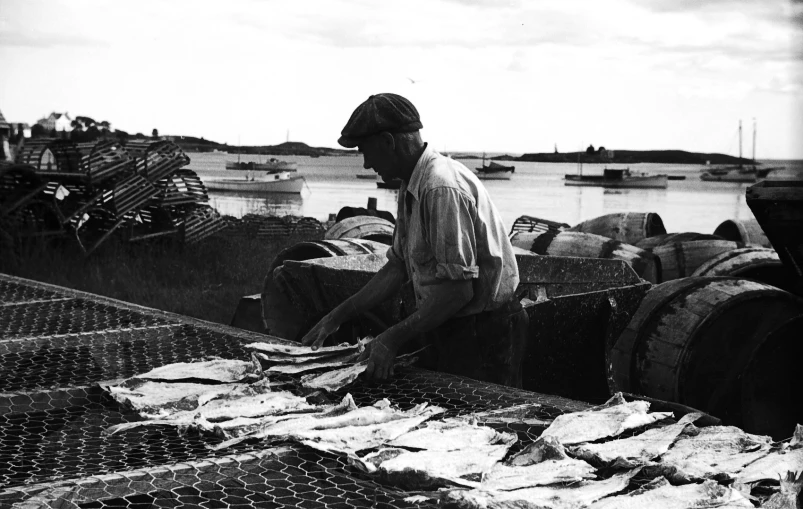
[[380, 353], [318, 334]]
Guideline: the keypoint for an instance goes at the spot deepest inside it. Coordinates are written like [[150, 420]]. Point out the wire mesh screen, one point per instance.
[[58, 345]]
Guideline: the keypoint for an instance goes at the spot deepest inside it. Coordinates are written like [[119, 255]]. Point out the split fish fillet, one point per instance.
[[350, 439], [305, 351], [336, 379], [240, 426], [225, 408], [635, 451], [448, 435], [608, 420], [300, 367], [380, 412], [660, 494], [556, 496], [549, 465], [773, 466], [703, 453], [159, 400], [789, 495], [452, 450], [428, 469], [216, 370]]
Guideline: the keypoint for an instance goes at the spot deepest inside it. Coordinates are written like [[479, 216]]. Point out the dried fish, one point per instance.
[[215, 370], [715, 451], [336, 379], [305, 351], [302, 427], [556, 496], [773, 466], [350, 439], [241, 426], [659, 493], [452, 451], [541, 463], [448, 435], [610, 419], [300, 367], [789, 495], [637, 450], [159, 400], [226, 407]]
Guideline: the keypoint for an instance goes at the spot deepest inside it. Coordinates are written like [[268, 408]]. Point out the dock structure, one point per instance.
[[58, 346]]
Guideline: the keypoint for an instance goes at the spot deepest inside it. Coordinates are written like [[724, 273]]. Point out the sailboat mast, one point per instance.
[[740, 143], [754, 141]]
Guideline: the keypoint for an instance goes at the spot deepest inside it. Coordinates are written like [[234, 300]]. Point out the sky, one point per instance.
[[511, 76]]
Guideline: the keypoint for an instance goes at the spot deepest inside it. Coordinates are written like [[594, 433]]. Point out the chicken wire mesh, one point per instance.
[[58, 345]]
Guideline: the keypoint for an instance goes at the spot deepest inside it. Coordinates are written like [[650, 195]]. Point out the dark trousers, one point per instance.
[[488, 346]]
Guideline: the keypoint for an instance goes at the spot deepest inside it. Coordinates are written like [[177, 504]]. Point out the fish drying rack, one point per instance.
[[57, 345]]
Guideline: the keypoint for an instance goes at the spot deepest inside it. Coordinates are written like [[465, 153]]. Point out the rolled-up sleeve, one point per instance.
[[452, 216]]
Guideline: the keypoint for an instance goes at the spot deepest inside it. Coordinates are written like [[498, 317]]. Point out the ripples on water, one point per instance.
[[536, 189]]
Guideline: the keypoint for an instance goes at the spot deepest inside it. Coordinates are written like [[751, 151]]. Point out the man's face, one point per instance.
[[378, 154]]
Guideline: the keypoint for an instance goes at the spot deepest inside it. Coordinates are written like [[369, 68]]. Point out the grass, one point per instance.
[[205, 280]]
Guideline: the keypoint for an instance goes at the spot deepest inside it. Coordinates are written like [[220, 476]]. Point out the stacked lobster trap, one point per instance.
[[91, 191]]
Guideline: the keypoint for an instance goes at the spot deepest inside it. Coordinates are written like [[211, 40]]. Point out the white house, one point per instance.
[[57, 121]]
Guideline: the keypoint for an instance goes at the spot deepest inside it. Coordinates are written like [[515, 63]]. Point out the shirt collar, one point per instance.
[[418, 172]]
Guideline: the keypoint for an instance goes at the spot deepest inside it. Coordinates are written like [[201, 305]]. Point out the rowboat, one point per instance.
[[281, 182]]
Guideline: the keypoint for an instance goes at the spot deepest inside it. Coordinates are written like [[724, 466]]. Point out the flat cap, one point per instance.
[[380, 112]]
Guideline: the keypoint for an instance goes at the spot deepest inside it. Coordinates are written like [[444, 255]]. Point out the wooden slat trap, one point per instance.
[[91, 191]]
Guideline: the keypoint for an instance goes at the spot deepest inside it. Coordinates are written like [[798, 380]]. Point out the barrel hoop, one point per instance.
[[608, 247], [623, 350], [710, 318], [668, 292], [711, 265], [542, 242], [359, 246], [680, 256]]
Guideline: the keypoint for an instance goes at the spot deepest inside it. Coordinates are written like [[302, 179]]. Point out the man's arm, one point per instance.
[[381, 287], [445, 299]]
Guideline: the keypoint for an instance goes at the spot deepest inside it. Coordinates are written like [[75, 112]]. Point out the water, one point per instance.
[[536, 189]]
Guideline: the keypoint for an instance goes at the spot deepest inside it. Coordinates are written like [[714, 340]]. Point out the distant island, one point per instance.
[[290, 148], [601, 155], [628, 157]]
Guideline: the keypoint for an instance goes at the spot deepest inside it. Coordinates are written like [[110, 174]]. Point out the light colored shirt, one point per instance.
[[447, 228]]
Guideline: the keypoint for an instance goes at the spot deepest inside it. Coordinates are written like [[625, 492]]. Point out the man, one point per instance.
[[449, 241]]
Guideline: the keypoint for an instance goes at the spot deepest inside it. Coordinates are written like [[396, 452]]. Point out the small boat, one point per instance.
[[281, 182], [738, 173], [272, 165], [494, 170], [366, 176], [676, 177], [618, 178], [393, 184]]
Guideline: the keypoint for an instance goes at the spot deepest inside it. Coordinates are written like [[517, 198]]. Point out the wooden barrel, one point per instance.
[[362, 227], [671, 238], [588, 245], [757, 263], [691, 339], [280, 317], [627, 227], [747, 231], [771, 381], [681, 259]]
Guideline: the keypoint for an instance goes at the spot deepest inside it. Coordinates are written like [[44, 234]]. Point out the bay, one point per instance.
[[536, 189]]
